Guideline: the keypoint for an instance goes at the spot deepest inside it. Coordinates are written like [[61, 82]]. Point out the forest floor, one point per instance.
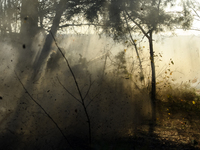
[[178, 122], [177, 127]]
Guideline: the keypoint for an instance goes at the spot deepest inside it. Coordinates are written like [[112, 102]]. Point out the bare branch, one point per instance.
[[78, 89], [91, 83], [73, 75], [194, 9], [43, 110], [194, 29], [145, 33], [87, 24], [134, 43], [68, 91], [92, 99]]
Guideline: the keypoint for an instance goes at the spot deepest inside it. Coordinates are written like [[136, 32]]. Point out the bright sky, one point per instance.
[[196, 24]]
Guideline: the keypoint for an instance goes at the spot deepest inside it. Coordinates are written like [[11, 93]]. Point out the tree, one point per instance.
[[147, 17], [29, 17], [8, 16], [59, 10], [191, 11], [63, 12]]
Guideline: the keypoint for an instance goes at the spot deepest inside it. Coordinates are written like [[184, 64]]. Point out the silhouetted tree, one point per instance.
[[147, 17], [63, 9]]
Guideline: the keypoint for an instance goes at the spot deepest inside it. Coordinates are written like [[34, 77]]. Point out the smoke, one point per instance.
[[117, 101], [184, 51]]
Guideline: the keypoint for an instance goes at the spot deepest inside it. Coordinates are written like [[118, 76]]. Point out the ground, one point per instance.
[[177, 128]]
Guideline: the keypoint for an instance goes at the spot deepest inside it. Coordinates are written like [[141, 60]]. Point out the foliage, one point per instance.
[[145, 14]]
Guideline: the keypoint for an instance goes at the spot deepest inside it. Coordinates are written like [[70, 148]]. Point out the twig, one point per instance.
[[92, 99], [77, 86], [88, 89], [68, 91], [136, 49], [87, 24], [78, 89], [43, 110], [194, 10]]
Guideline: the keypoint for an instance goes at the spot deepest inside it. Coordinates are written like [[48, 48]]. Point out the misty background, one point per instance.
[[61, 72]]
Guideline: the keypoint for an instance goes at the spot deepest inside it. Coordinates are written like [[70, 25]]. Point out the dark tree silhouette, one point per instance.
[[146, 17]]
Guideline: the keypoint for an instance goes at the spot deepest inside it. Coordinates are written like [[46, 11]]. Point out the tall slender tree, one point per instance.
[[146, 17]]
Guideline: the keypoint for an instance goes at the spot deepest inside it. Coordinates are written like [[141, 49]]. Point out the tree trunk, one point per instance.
[[49, 39], [140, 62], [29, 21], [153, 84]]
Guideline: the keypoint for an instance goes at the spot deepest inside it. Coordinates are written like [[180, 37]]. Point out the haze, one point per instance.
[[41, 106]]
